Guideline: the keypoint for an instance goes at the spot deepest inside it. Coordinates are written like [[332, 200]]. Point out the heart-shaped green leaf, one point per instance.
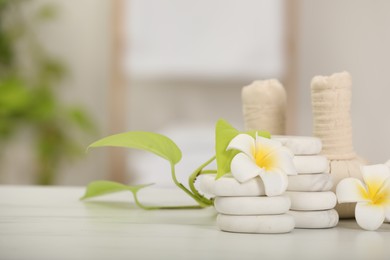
[[152, 142], [99, 188], [224, 133]]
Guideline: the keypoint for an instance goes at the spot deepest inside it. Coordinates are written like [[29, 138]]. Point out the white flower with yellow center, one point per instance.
[[372, 196], [262, 157]]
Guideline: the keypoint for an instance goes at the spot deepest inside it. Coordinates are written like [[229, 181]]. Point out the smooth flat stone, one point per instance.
[[310, 182], [228, 186], [206, 184], [322, 200], [311, 164], [265, 224], [315, 219], [300, 145], [252, 205]]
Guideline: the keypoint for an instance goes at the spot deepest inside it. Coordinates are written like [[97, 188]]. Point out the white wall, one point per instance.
[[352, 35]]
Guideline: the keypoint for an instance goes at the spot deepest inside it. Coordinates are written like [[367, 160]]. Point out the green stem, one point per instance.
[[192, 195], [142, 206], [208, 172], [194, 176]]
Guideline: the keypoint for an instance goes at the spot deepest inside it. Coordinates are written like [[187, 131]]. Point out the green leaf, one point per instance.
[[99, 188], [47, 12], [152, 142], [224, 133], [80, 118], [14, 96]]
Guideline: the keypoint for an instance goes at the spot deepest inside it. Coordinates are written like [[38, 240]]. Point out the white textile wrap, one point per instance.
[[331, 102], [264, 106]]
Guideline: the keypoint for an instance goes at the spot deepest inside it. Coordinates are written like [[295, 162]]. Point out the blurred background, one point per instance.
[[72, 72]]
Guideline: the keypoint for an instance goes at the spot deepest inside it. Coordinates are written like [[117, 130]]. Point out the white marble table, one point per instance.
[[51, 223]]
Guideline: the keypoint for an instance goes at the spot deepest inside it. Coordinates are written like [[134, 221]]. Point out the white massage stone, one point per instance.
[[315, 219], [300, 145], [228, 186], [206, 184], [311, 164], [310, 182], [252, 205], [265, 224], [301, 200]]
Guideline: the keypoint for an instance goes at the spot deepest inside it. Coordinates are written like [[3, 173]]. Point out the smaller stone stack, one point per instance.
[[312, 201], [244, 207]]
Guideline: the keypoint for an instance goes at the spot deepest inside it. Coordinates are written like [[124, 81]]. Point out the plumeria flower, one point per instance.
[[388, 163], [262, 157], [372, 196]]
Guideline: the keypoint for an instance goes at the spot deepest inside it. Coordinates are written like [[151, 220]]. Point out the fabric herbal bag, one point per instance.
[[264, 106], [331, 102]]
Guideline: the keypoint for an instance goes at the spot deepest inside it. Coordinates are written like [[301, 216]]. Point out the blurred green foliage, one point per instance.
[[29, 78]]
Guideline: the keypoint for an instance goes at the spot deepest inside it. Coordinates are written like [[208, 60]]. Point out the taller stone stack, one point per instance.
[[312, 202]]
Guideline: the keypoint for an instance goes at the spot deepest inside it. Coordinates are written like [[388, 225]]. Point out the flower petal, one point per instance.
[[285, 161], [351, 190], [374, 176], [388, 163], [244, 168], [383, 195], [267, 144], [275, 182], [383, 198], [244, 143], [369, 216]]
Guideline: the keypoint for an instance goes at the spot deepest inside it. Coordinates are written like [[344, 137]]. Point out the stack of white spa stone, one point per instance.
[[244, 208], [312, 202]]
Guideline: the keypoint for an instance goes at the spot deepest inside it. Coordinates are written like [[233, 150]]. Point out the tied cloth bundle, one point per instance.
[[264, 106], [331, 102]]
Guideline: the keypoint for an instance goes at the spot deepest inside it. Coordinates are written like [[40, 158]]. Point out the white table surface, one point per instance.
[[51, 223]]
